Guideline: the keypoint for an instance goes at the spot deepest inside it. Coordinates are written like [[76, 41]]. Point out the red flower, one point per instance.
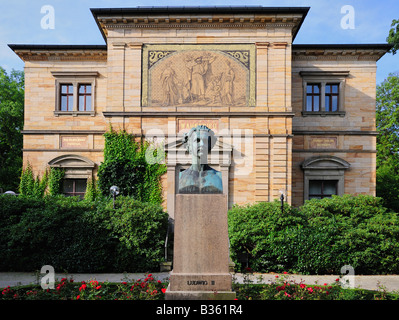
[[302, 285], [163, 290], [98, 288], [78, 297], [310, 290], [83, 287]]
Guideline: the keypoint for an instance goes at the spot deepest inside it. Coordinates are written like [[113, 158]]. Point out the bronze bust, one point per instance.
[[200, 177]]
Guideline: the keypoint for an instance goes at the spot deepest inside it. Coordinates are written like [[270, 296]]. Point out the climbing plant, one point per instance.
[[27, 182], [49, 183], [55, 181], [126, 165]]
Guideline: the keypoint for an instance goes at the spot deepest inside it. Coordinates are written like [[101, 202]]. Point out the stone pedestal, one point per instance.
[[201, 249]]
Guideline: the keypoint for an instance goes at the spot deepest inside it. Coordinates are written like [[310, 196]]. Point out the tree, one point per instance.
[[387, 122], [393, 36], [11, 124]]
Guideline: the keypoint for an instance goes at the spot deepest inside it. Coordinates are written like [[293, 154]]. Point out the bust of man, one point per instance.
[[200, 177]]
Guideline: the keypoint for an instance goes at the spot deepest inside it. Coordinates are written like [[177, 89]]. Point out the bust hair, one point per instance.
[[211, 138]]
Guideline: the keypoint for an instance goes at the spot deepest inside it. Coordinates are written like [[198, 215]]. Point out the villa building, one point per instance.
[[294, 118]]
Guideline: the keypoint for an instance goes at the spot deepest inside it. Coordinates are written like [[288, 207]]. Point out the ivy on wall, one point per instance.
[[125, 165]]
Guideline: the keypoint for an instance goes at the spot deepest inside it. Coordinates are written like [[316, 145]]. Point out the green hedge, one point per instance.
[[80, 236], [319, 238]]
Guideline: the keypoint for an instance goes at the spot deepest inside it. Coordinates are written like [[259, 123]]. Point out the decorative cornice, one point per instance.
[[195, 114], [371, 52], [332, 151], [60, 52], [206, 25], [349, 132], [200, 17], [63, 131]]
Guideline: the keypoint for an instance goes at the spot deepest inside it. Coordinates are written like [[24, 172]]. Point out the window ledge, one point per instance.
[[323, 113], [75, 113]]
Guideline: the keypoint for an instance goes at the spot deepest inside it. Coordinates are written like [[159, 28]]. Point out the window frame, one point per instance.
[[68, 95], [84, 95], [76, 79], [324, 168], [324, 78], [330, 96], [313, 95]]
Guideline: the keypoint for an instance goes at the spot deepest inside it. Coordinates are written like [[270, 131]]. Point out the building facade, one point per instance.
[[292, 118]]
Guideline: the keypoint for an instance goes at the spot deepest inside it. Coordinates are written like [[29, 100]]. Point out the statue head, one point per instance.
[[199, 141], [200, 177]]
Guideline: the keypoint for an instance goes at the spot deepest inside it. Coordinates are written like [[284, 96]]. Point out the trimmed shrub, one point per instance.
[[319, 238], [361, 233], [265, 234], [80, 236], [141, 230]]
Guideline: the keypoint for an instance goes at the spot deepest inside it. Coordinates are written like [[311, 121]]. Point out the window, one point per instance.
[[66, 97], [77, 171], [84, 97], [313, 97], [331, 97], [74, 187], [324, 176], [75, 92], [323, 92], [320, 189]]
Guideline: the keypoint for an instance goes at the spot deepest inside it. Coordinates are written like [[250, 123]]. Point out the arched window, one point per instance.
[[78, 170], [324, 176]]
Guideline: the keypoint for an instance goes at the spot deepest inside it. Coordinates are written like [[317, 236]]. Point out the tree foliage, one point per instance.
[[125, 165], [393, 36], [387, 123], [11, 124]]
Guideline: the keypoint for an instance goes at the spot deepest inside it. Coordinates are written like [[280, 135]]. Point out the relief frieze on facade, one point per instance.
[[198, 75]]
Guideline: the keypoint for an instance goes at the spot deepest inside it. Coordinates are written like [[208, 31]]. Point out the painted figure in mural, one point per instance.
[[200, 72], [169, 86], [228, 85], [200, 177]]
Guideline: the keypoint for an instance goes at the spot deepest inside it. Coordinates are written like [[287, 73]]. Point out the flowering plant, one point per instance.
[[66, 289]]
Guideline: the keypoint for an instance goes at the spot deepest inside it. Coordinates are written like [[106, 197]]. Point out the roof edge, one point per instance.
[[57, 47], [364, 46], [199, 9]]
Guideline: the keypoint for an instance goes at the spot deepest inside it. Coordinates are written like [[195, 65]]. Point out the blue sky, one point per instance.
[[20, 23]]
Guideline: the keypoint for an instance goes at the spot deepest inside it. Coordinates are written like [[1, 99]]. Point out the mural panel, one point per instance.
[[198, 75]]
